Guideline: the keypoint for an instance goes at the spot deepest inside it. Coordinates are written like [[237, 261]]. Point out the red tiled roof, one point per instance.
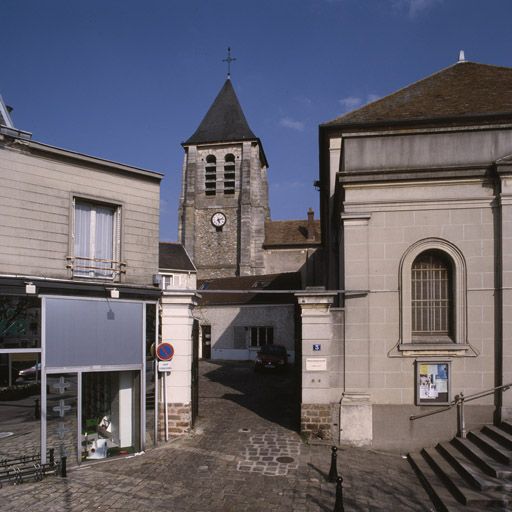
[[466, 91]]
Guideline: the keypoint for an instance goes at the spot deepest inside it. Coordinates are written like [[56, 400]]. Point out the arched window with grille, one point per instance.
[[432, 297], [210, 175], [229, 174]]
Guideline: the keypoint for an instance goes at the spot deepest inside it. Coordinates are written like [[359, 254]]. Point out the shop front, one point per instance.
[[93, 360], [86, 396]]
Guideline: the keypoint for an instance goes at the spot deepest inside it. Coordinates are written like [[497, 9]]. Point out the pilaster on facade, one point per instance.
[[355, 407], [504, 347], [176, 385], [320, 363]]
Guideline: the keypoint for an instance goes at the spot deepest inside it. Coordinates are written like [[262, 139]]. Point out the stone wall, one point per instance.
[[316, 421], [236, 249], [179, 417]]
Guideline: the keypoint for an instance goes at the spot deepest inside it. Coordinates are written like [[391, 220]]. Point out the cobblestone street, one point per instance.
[[244, 454]]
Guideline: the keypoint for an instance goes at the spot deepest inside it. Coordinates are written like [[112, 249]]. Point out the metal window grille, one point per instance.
[[431, 296]]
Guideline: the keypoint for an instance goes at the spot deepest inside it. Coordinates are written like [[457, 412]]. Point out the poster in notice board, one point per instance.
[[432, 383]]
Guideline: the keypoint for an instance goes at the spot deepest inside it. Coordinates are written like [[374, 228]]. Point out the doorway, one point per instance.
[[206, 341], [93, 415]]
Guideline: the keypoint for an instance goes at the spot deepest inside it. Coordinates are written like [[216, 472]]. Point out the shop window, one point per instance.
[[96, 240], [261, 336], [20, 322], [210, 176], [432, 296], [110, 414], [229, 174]]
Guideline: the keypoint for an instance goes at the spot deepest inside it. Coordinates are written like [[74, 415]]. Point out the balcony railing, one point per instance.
[[96, 268]]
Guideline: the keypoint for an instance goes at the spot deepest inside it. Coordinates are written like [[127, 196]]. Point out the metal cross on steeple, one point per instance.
[[229, 60]]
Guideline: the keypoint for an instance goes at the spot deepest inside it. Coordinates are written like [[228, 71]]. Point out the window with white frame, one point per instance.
[[261, 336], [170, 281], [96, 239], [432, 296]]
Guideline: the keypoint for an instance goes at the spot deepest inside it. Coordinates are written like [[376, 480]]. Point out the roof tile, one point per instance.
[[464, 91]]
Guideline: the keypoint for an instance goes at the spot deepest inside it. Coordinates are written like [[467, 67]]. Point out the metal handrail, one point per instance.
[[459, 402]]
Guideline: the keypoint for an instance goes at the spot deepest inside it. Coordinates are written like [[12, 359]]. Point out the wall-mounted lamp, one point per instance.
[[114, 293], [30, 288]]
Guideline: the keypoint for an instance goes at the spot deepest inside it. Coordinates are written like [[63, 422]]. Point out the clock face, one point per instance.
[[218, 219]]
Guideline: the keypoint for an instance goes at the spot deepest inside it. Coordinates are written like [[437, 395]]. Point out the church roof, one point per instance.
[[173, 256], [463, 92], [224, 121], [290, 233]]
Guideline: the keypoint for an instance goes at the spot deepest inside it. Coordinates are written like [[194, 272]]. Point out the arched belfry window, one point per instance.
[[210, 175], [229, 174], [432, 297]]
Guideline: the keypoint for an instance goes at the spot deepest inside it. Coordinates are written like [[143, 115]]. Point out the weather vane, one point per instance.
[[229, 60]]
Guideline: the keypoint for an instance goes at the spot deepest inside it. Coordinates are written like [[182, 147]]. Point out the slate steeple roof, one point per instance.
[[463, 92], [224, 121]]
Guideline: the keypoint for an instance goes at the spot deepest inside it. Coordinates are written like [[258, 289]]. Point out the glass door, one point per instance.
[[62, 405], [110, 414]]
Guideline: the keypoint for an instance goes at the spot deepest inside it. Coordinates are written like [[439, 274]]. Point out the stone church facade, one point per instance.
[[416, 221], [224, 198], [224, 214], [414, 265]]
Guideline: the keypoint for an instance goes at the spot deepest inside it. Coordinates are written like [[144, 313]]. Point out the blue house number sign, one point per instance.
[[317, 347]]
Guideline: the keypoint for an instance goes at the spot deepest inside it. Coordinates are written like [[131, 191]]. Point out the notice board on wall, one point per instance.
[[433, 382]]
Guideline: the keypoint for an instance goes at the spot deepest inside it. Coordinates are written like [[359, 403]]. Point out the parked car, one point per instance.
[[271, 357], [29, 374]]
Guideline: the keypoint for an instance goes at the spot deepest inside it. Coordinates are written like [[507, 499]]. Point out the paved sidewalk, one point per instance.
[[243, 456]]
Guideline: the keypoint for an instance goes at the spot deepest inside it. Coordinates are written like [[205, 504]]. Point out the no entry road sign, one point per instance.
[[165, 351]]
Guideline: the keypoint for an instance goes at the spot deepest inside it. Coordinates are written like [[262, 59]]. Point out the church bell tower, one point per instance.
[[224, 193]]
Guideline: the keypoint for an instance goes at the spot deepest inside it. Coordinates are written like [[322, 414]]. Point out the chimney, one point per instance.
[[311, 225]]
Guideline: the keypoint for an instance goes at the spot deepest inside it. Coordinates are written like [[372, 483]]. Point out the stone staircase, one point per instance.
[[471, 474]]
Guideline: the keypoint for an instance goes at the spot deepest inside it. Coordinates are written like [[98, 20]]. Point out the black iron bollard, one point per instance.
[[333, 472], [63, 472], [37, 409], [338, 505], [52, 457]]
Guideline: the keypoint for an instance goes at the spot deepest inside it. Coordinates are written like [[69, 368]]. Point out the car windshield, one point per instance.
[[276, 350]]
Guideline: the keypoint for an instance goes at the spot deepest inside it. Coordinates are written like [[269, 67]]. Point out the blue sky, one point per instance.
[[129, 80]]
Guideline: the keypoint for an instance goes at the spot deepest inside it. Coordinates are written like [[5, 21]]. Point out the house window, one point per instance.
[[96, 240], [229, 174], [168, 281], [210, 176], [431, 297], [262, 336]]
